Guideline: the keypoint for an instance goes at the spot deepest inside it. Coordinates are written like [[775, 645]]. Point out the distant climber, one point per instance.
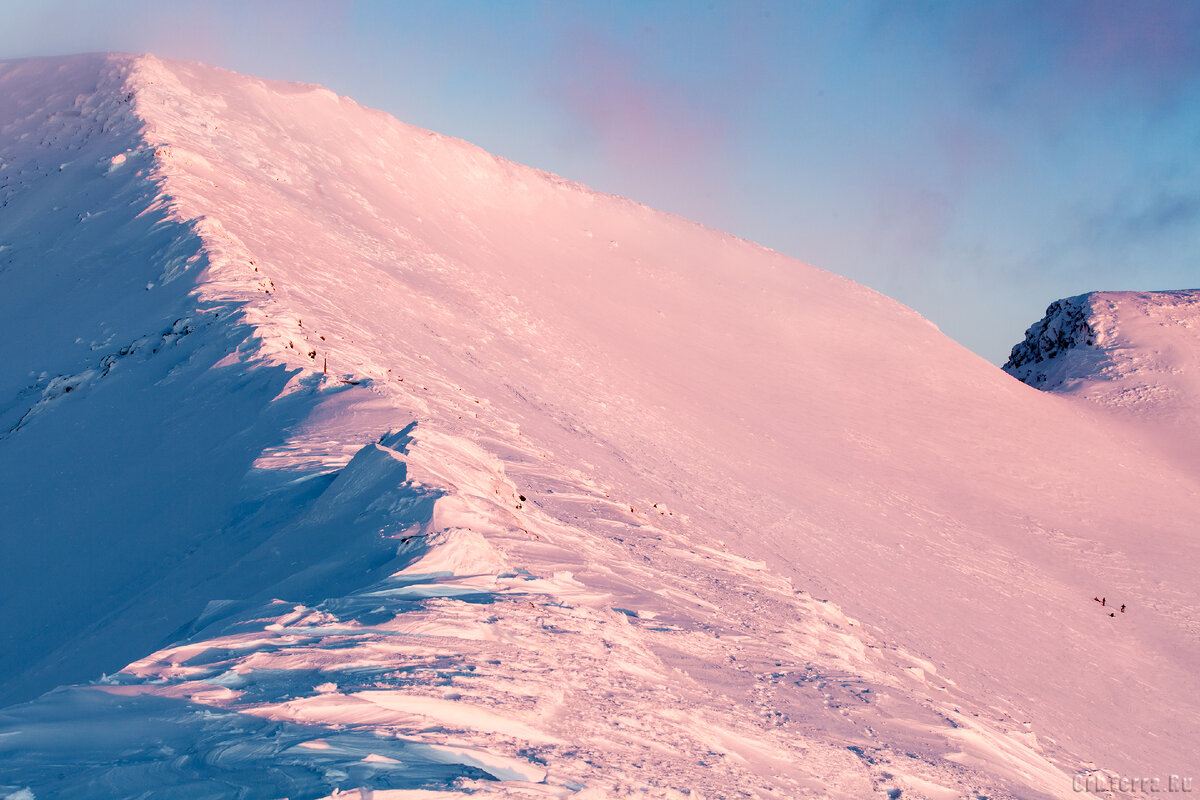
[[1122, 608], [1103, 600]]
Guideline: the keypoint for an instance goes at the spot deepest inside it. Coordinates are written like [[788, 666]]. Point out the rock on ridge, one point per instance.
[[1133, 355], [1037, 359], [1111, 337]]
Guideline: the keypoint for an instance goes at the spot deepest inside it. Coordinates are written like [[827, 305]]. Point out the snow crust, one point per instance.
[[389, 465]]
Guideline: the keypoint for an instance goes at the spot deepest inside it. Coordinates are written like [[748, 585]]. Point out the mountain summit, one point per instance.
[[337, 454]]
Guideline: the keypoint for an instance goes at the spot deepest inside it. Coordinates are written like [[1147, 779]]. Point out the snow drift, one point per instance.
[[340, 454]]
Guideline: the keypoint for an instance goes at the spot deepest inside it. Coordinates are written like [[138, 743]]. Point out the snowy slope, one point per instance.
[[1134, 354], [389, 464]]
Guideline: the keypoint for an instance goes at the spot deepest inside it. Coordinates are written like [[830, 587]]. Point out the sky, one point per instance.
[[973, 160]]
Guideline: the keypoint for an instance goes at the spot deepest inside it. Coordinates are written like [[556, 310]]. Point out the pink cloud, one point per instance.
[[642, 124], [206, 32], [907, 219]]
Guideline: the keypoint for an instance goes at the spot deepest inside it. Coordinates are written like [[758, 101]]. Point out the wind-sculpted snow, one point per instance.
[[461, 669], [392, 466]]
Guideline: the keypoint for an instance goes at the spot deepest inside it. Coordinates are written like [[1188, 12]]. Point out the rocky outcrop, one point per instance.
[[1064, 328]]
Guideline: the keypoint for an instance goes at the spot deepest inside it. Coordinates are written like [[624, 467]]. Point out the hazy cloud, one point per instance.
[[1056, 56], [638, 120], [1161, 213]]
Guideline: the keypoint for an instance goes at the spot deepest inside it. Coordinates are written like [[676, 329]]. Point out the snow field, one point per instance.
[[443, 493]]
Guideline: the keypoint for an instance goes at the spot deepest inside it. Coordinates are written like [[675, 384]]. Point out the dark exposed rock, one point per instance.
[[1064, 327]]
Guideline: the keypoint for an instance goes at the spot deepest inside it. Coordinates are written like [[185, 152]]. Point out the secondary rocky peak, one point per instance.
[[1110, 336], [1064, 328]]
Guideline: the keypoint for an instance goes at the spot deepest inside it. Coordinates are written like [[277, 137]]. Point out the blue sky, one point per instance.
[[973, 160]]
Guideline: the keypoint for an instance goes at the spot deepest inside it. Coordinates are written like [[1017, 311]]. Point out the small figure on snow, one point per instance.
[[1122, 608], [1103, 600]]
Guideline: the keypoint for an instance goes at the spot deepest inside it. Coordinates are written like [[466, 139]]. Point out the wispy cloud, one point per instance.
[[637, 119], [907, 220], [1133, 219], [1057, 56]]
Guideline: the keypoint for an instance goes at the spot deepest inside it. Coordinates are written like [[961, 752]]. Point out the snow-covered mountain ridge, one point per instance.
[[391, 465]]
